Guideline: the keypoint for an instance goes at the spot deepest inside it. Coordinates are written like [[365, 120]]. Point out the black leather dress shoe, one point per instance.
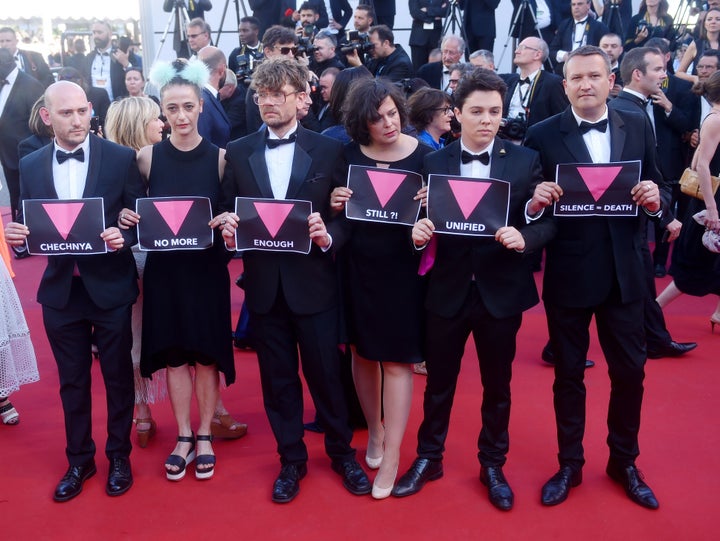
[[660, 271], [72, 482], [548, 355], [673, 349], [556, 490], [632, 481], [287, 484], [354, 477], [120, 477], [499, 491], [421, 471]]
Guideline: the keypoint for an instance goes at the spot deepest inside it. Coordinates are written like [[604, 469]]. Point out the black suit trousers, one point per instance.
[[622, 338], [69, 332], [445, 343], [278, 336]]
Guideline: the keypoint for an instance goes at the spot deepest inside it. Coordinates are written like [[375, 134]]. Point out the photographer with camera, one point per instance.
[[250, 46], [389, 59], [324, 55], [651, 21], [307, 25]]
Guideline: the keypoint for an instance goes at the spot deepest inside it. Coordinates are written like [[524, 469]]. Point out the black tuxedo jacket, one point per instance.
[[431, 73], [14, 119], [433, 8], [480, 17], [563, 40], [111, 278], [589, 255], [308, 282], [547, 97], [36, 67], [117, 75], [503, 279]]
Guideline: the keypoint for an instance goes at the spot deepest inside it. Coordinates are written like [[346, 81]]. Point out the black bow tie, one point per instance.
[[525, 81], [274, 143], [587, 126], [581, 22], [467, 157], [62, 157]]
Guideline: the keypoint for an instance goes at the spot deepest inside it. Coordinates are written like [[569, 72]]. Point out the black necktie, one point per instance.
[[467, 157], [274, 143], [62, 157], [587, 126]]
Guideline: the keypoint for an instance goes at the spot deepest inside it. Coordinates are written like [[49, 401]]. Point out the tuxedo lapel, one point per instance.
[[46, 173], [301, 164], [259, 166], [617, 136], [572, 138], [93, 174], [498, 161], [453, 157]]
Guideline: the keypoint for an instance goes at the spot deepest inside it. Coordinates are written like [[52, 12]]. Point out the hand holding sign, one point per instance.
[[422, 232], [16, 233], [127, 219], [318, 231], [511, 238], [339, 198], [546, 193], [647, 194], [113, 238]]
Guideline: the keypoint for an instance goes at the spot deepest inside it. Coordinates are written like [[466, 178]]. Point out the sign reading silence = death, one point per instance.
[[467, 206], [277, 225], [174, 223], [591, 189], [65, 226], [383, 195]]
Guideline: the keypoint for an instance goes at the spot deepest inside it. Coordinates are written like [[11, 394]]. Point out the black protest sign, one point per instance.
[[65, 226], [276, 225], [591, 189], [467, 206], [383, 195], [174, 223]]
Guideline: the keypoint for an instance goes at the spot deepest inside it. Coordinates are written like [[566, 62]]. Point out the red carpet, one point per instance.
[[679, 441]]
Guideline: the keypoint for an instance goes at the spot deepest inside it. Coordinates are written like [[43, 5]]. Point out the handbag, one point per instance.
[[690, 184]]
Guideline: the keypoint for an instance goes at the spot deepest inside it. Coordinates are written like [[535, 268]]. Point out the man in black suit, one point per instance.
[[576, 31], [437, 74], [478, 285], [30, 62], [389, 59], [248, 30], [385, 11], [611, 44], [533, 93], [18, 93], [594, 267], [479, 18], [643, 69], [213, 123], [90, 293], [105, 66], [293, 298], [427, 24]]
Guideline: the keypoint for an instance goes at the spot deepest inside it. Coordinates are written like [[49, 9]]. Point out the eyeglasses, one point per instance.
[[522, 47], [285, 50], [273, 98], [445, 110]]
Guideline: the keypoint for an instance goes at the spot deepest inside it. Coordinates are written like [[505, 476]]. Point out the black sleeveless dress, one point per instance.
[[186, 315], [383, 294]]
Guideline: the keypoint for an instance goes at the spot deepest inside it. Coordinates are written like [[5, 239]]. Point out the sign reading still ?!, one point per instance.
[[383, 195], [277, 225]]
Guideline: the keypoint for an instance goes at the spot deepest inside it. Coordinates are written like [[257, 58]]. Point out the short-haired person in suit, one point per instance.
[[594, 267], [534, 93], [30, 62], [611, 44], [437, 74], [389, 59], [18, 93], [643, 70], [104, 65], [479, 19], [213, 123], [82, 295], [478, 285], [293, 298], [427, 24], [578, 30]]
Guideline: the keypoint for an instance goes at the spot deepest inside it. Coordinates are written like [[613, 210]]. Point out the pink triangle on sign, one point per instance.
[[173, 212], [63, 216], [599, 179], [273, 215], [468, 194], [385, 184]]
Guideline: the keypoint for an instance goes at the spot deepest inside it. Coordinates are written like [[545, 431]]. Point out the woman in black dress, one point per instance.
[[696, 270], [709, 39], [384, 294], [186, 315]]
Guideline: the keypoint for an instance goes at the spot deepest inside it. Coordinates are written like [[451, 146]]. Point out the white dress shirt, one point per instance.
[[279, 163], [597, 142], [70, 177], [6, 89], [475, 168]]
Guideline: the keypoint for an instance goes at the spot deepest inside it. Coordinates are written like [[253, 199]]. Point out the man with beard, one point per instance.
[[105, 66]]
